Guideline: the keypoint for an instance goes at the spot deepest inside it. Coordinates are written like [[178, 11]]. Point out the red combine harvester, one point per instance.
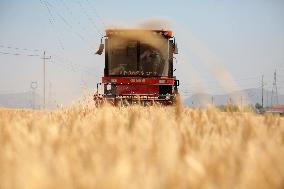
[[139, 67]]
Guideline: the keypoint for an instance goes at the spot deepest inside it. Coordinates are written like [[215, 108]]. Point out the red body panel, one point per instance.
[[137, 89], [138, 81]]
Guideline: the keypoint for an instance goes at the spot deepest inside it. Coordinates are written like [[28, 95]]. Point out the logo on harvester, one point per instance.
[[163, 81], [137, 80]]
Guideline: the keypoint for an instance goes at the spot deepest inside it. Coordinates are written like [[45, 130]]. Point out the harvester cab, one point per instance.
[[138, 67]]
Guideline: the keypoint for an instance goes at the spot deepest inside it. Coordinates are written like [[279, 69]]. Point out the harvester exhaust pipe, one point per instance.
[[175, 46]]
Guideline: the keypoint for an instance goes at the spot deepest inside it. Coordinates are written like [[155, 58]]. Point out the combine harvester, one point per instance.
[[139, 67]]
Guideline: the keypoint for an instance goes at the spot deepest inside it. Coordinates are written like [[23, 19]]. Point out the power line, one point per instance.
[[262, 89], [66, 67], [66, 22], [51, 20], [90, 19], [75, 67], [51, 8], [71, 67], [58, 14], [70, 12], [44, 73], [96, 13], [18, 54], [215, 86], [18, 48]]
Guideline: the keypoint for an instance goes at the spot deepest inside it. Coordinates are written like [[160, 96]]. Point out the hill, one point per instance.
[[20, 100], [247, 96]]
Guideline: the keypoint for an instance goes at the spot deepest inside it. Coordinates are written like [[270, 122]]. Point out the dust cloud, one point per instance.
[[210, 60]]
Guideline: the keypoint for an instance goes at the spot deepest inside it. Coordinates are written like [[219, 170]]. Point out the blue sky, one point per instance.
[[244, 37]]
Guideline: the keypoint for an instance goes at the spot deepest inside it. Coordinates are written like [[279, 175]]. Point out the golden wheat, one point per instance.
[[140, 147]]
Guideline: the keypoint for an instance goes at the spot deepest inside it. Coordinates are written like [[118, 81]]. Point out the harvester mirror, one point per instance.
[[175, 49], [174, 60], [101, 48]]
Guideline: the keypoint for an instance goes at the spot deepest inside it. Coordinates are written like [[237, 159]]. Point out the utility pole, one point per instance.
[[262, 86], [274, 90], [230, 102], [34, 87], [241, 102], [212, 100], [267, 96], [44, 58], [49, 94]]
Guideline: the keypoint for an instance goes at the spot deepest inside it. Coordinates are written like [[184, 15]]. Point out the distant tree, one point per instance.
[[258, 106], [229, 108]]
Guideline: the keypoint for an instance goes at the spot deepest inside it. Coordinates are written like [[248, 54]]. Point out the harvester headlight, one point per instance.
[[168, 96]]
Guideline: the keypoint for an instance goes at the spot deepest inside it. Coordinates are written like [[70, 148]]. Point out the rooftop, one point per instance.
[[167, 33]]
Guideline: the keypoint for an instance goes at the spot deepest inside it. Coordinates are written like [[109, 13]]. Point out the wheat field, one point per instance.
[[140, 147]]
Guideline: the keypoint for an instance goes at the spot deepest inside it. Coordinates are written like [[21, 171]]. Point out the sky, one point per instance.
[[222, 43]]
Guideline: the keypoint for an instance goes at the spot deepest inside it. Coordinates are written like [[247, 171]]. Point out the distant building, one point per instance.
[[279, 109]]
